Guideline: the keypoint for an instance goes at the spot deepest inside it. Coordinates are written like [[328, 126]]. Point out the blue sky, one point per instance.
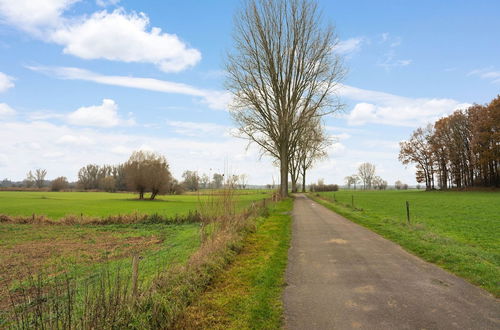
[[90, 81]]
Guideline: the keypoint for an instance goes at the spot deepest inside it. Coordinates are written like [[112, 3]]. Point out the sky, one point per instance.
[[90, 81]]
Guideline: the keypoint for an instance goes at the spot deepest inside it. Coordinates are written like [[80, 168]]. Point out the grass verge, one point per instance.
[[445, 243], [247, 295]]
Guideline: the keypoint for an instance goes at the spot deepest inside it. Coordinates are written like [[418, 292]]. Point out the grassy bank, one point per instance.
[[455, 230], [247, 295], [55, 205]]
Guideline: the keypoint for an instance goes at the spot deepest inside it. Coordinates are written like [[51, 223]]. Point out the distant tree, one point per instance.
[[108, 184], [175, 188], [243, 181], [40, 177], [366, 172], [398, 184], [310, 147], [351, 180], [191, 180], [59, 184], [379, 183], [30, 180], [217, 180], [205, 181], [418, 150], [88, 177], [147, 171], [6, 183]]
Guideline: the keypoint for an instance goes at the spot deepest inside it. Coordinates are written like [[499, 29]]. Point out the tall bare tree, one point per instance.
[[366, 173], [282, 74], [40, 177]]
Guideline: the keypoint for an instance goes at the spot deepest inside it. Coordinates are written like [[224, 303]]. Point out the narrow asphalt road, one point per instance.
[[343, 276]]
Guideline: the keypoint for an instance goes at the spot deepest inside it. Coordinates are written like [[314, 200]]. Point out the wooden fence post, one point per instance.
[[408, 212], [352, 201]]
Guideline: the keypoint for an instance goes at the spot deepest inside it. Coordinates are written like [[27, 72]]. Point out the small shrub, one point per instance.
[[324, 187], [59, 184]]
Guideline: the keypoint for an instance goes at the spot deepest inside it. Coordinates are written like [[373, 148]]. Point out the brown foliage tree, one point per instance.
[[147, 171]]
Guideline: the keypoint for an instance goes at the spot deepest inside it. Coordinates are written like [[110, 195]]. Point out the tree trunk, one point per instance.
[[284, 171], [304, 180], [153, 195]]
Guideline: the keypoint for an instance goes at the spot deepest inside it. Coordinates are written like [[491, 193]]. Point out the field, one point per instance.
[[85, 251], [459, 231], [100, 204]]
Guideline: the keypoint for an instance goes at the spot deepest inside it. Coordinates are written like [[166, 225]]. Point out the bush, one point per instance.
[[108, 184], [324, 187], [59, 184]]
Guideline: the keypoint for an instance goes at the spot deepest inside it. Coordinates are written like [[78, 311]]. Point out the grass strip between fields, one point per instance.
[[247, 295], [463, 260]]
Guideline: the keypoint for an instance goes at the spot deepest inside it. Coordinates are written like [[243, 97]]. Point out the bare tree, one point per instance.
[[282, 74], [366, 172], [30, 179], [379, 183], [311, 147], [59, 184], [218, 179], [351, 180], [40, 177], [191, 180], [243, 178], [205, 180]]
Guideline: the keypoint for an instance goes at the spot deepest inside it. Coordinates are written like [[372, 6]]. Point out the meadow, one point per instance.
[[55, 205], [460, 231], [34, 252]]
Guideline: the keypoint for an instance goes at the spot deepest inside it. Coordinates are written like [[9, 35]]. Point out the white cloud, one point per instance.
[[189, 128], [104, 115], [384, 108], [34, 16], [78, 140], [488, 74], [117, 35], [105, 3], [212, 98], [349, 46], [77, 147], [6, 82], [390, 61], [6, 110], [121, 36]]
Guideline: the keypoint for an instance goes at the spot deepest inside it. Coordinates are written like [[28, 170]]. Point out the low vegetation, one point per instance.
[[248, 293], [79, 272], [456, 230]]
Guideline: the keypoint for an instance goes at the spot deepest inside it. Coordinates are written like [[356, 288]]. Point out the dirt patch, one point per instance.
[[337, 241], [50, 256]]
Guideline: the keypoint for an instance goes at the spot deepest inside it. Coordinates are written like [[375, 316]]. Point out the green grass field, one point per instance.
[[100, 204], [84, 251], [459, 231]]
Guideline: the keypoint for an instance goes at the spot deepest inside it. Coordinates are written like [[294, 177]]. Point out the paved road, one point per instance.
[[343, 276]]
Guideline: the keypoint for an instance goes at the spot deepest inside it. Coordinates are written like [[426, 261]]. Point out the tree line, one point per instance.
[[144, 172], [458, 151]]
